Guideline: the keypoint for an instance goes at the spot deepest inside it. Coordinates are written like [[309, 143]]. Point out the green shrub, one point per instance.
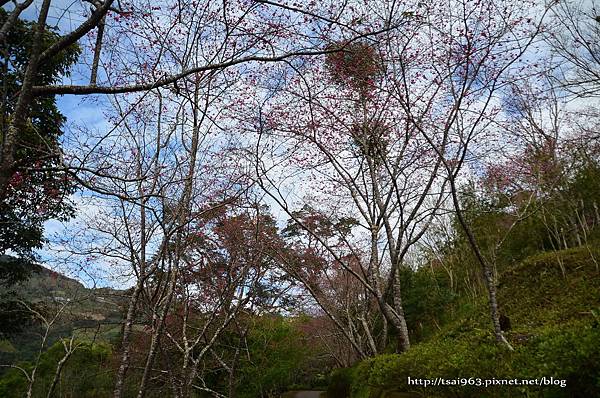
[[570, 355], [340, 381], [556, 333]]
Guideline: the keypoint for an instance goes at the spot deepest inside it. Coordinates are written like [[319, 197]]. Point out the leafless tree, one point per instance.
[[573, 40]]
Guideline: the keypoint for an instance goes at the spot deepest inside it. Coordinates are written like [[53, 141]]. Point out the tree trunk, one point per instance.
[[127, 328], [404, 343], [486, 269], [21, 111]]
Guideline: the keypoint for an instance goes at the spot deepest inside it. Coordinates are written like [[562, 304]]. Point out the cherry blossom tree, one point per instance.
[[336, 125], [411, 111]]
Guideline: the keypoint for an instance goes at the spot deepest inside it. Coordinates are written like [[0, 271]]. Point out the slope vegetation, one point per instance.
[[553, 303]]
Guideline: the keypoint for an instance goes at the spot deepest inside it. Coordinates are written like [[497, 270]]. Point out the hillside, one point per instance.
[[553, 303], [68, 305]]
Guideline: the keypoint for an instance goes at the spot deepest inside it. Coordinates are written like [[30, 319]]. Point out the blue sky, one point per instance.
[[66, 15]]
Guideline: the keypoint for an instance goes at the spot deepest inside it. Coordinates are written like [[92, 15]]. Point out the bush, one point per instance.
[[339, 383], [569, 355], [556, 333]]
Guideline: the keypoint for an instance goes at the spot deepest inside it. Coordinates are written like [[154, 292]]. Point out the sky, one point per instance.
[[77, 110], [66, 15]]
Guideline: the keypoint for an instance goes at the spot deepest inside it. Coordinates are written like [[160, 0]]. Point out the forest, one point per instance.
[[299, 199]]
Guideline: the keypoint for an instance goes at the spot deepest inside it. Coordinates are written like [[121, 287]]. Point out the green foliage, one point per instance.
[[555, 334], [426, 297], [37, 192], [278, 358], [87, 309], [551, 288], [564, 354], [340, 383], [511, 226], [567, 354], [85, 374]]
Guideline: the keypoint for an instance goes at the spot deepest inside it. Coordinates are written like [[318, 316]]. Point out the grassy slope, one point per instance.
[[553, 302]]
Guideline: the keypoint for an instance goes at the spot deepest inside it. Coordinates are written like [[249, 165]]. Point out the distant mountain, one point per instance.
[[55, 290], [80, 311]]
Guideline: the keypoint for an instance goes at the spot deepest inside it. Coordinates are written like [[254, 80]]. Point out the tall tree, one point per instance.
[[37, 189], [339, 127]]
